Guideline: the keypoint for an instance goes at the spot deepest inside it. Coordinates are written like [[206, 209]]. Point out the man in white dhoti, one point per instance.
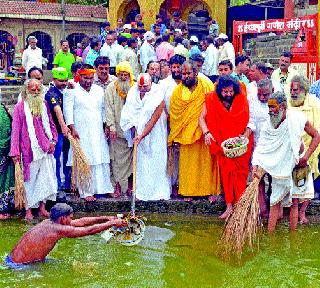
[[277, 152], [120, 153], [33, 141], [144, 113], [84, 113], [259, 114]]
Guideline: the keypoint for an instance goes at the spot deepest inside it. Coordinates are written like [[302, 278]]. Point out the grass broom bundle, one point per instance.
[[19, 190], [243, 226], [81, 176]]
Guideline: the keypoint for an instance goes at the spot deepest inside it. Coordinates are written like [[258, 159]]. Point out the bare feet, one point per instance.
[[42, 210], [227, 213], [212, 198], [4, 216], [117, 191], [187, 199], [29, 215], [90, 198]]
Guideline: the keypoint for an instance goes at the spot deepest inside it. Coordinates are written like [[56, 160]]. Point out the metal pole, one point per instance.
[[63, 12], [265, 13]]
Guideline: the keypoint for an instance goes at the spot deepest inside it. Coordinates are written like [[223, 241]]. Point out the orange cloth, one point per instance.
[[224, 124], [83, 72]]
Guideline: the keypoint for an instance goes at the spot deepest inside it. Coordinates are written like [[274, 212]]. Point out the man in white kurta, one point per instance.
[[32, 56], [144, 112], [147, 52], [277, 153], [84, 112], [131, 56]]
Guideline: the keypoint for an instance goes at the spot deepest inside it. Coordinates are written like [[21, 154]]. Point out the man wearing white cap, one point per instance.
[[194, 49], [144, 114], [226, 49], [147, 52]]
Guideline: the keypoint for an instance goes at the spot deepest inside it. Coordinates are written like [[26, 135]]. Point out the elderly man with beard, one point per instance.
[[84, 113], [102, 77], [144, 114], [153, 69], [120, 153], [33, 141], [278, 151], [259, 114], [225, 115], [185, 108], [309, 105]]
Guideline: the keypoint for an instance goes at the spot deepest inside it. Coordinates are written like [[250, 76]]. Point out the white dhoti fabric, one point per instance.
[[100, 181], [42, 185], [277, 152]]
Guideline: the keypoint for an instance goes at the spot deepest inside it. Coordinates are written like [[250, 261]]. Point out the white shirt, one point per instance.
[[167, 86], [285, 86], [211, 60], [113, 52], [131, 56], [87, 112], [227, 53], [31, 58], [147, 54]]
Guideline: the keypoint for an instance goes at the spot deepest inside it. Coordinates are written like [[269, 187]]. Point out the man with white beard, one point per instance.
[[278, 151], [144, 114], [33, 141], [84, 113], [120, 153]]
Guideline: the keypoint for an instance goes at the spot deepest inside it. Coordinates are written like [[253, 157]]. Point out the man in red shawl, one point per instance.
[[225, 115]]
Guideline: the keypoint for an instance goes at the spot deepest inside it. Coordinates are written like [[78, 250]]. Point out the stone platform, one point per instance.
[[174, 206]]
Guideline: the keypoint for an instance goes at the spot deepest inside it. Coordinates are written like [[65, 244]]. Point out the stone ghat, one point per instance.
[[200, 206]]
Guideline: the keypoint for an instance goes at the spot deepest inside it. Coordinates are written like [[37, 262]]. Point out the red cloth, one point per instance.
[[224, 124]]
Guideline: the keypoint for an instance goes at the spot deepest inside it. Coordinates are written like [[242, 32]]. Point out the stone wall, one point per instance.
[[9, 95], [268, 47]]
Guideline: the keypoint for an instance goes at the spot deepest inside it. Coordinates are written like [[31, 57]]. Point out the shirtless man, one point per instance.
[[36, 244]]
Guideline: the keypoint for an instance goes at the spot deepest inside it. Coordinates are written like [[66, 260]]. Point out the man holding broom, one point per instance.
[[144, 114], [33, 141], [84, 113], [120, 153], [278, 150]]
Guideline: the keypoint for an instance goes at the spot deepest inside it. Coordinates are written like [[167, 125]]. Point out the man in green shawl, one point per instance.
[[6, 166]]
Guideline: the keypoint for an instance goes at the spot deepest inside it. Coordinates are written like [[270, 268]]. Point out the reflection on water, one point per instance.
[[178, 251]]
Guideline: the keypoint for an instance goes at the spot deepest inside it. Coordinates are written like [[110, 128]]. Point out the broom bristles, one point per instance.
[[81, 176], [19, 191], [243, 226]]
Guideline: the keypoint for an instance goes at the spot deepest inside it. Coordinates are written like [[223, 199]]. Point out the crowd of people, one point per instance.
[[178, 100]]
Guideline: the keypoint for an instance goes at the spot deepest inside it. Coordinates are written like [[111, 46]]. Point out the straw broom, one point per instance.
[[243, 226], [81, 176], [19, 191]]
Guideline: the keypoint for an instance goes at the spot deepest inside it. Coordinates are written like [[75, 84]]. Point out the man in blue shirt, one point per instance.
[[242, 66]]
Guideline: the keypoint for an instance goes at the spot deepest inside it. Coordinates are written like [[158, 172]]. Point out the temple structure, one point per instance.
[[217, 9]]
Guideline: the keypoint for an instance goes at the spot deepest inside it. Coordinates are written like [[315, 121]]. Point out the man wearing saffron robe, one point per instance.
[[198, 170], [144, 113], [120, 153], [226, 115], [33, 141], [84, 113], [300, 100]]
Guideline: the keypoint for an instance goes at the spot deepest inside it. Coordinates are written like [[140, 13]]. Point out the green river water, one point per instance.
[[178, 251]]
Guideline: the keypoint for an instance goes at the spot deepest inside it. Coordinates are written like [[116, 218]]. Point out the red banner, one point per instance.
[[275, 25]]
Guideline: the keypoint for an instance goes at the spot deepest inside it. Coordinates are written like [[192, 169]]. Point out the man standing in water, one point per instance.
[[36, 244]]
